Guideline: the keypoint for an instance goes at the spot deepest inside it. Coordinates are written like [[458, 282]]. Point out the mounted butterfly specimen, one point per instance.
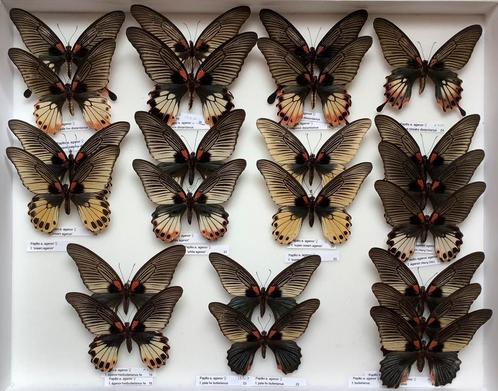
[[172, 79], [85, 88], [87, 188], [295, 205], [410, 223], [42, 42], [173, 201], [449, 164], [296, 81], [396, 274], [330, 160], [110, 331], [400, 52], [341, 34], [166, 146], [280, 294], [448, 310], [247, 339], [402, 346], [37, 143], [224, 27], [106, 286]]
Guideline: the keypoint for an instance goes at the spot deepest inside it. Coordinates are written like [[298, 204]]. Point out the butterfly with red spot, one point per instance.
[[400, 52], [85, 88], [281, 291], [410, 223], [449, 164], [295, 81], [110, 332], [247, 339], [37, 143], [397, 275], [172, 79], [173, 201], [87, 187], [106, 286], [167, 147], [402, 346], [42, 42], [330, 160], [295, 205], [220, 30]]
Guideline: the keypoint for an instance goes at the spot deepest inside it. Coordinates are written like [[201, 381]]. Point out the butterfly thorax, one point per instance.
[[424, 71]]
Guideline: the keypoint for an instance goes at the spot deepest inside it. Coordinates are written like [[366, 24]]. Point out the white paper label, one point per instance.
[[188, 120], [424, 255], [195, 244], [428, 127], [250, 381], [312, 121], [304, 247], [70, 231], [129, 376], [73, 135], [371, 379], [47, 246]]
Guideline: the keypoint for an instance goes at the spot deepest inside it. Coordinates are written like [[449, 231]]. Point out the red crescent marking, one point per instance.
[[420, 184], [421, 217], [60, 47], [256, 290], [60, 86], [74, 84], [73, 185], [434, 217], [271, 289], [183, 74], [200, 152], [306, 200], [62, 156], [134, 324], [417, 345], [135, 284], [435, 185], [200, 74], [432, 345], [431, 289], [185, 154], [76, 48], [416, 288], [58, 186], [117, 284], [271, 333], [119, 326], [319, 49], [419, 157], [80, 156], [257, 334], [182, 196]]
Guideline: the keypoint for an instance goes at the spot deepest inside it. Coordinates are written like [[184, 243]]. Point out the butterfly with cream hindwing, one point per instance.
[[172, 80], [402, 346], [173, 201], [295, 81], [87, 188], [329, 205], [106, 286], [400, 52], [220, 30], [85, 88], [37, 143], [281, 291], [330, 160], [110, 332], [42, 42], [166, 146], [410, 223], [247, 339]]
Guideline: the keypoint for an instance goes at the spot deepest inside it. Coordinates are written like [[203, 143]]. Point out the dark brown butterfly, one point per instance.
[[37, 143], [295, 81], [402, 346], [448, 310], [167, 147], [106, 286], [172, 80], [449, 164], [206, 202], [295, 205], [401, 54], [396, 274], [110, 331], [87, 188], [410, 223], [42, 42], [85, 88], [220, 30], [330, 160], [341, 34], [281, 291], [247, 339]]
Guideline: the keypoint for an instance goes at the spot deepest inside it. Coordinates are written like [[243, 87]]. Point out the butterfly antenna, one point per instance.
[[267, 278], [121, 272], [308, 140], [131, 271], [63, 36], [316, 39], [259, 279], [260, 324], [422, 50], [423, 144], [316, 189], [309, 33], [188, 30], [433, 142], [267, 323], [432, 47], [318, 143], [195, 140], [196, 29], [186, 142], [72, 36]]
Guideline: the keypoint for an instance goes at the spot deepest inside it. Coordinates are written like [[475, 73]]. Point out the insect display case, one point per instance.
[[43, 343]]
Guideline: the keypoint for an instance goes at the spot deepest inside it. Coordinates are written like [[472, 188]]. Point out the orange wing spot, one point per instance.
[[119, 326], [271, 290], [197, 195], [256, 289], [256, 334], [134, 324], [74, 85], [306, 200], [433, 157], [305, 48], [183, 74], [271, 333], [76, 48], [417, 345], [416, 288], [117, 284], [80, 156], [308, 77], [200, 152], [435, 185], [319, 199], [421, 217], [421, 184], [419, 157], [73, 185], [58, 186], [200, 74], [432, 345], [60, 47], [434, 217], [60, 86], [61, 155], [135, 284], [185, 154]]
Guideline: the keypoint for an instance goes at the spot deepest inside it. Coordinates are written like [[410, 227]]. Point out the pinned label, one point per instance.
[[195, 244], [250, 381], [129, 376], [188, 120], [72, 136], [47, 246], [371, 379], [70, 231], [304, 247], [428, 127], [313, 121], [424, 255]]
